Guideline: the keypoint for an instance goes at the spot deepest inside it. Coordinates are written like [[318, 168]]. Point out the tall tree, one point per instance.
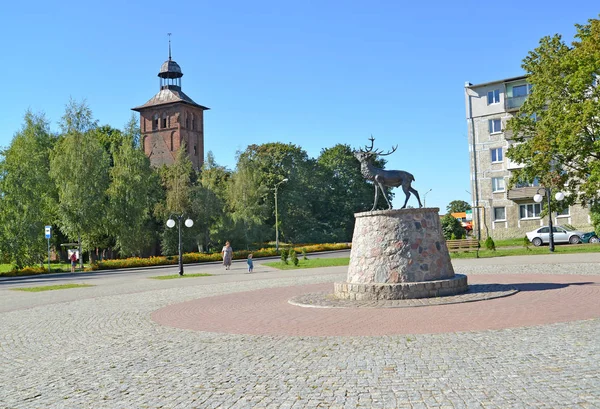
[[210, 202], [27, 194], [345, 192], [272, 163], [248, 209], [177, 183], [558, 126], [79, 166], [457, 206], [132, 194]]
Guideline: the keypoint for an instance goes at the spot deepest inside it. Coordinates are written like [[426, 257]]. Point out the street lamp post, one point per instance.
[[425, 198], [170, 224], [538, 199], [277, 216]]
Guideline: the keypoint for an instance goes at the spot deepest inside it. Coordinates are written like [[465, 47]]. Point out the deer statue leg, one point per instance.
[[416, 194], [384, 192], [380, 182], [376, 193], [405, 189]]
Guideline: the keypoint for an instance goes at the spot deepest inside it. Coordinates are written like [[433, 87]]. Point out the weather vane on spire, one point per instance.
[[169, 34]]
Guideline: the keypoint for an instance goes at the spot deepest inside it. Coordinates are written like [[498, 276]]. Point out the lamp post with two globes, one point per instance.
[[170, 224], [276, 216], [538, 199]]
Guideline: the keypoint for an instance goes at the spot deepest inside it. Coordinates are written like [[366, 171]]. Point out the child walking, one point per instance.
[[250, 263]]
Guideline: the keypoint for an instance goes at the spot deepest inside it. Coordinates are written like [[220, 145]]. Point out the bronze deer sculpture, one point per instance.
[[382, 179]]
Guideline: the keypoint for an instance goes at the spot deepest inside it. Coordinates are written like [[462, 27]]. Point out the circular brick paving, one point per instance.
[[476, 292], [542, 299]]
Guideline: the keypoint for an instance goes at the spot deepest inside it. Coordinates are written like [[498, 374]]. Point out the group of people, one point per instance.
[[227, 253]]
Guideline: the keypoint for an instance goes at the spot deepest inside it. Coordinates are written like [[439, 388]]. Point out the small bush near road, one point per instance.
[[284, 255], [294, 257], [489, 244]]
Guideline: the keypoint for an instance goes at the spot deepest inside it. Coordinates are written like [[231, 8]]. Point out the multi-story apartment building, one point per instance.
[[498, 211]]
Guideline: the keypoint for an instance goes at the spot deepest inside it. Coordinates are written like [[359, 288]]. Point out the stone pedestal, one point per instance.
[[399, 254]]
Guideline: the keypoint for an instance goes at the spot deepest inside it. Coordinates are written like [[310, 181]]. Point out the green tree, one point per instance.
[[558, 126], [344, 192], [177, 184], [79, 166], [247, 206], [132, 195], [210, 202], [27, 194], [457, 206], [273, 162], [451, 226]]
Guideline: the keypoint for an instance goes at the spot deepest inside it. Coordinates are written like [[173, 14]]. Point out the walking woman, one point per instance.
[[227, 255]]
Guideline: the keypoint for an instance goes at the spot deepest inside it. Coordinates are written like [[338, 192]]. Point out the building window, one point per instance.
[[497, 184], [164, 122], [195, 152], [187, 121], [563, 212], [499, 214], [497, 155], [535, 183], [192, 127], [172, 134], [530, 211], [495, 125], [494, 97], [155, 124], [521, 90]]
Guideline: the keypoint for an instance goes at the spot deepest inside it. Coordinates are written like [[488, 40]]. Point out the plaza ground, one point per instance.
[[231, 340]]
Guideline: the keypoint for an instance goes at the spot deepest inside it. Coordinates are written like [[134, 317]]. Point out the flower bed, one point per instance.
[[204, 258]]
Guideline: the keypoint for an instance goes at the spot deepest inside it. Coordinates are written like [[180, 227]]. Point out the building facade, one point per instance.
[[170, 120], [500, 212]]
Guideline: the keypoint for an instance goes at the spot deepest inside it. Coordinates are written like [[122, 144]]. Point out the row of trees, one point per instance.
[[94, 185], [557, 131]]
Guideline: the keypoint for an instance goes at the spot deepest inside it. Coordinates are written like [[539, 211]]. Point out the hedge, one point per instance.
[[203, 257]]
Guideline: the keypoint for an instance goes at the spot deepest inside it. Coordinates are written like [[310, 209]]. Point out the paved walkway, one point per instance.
[[99, 347]]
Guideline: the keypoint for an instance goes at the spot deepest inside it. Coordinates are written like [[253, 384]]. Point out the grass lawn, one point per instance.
[[532, 250], [50, 287], [175, 276], [310, 263]]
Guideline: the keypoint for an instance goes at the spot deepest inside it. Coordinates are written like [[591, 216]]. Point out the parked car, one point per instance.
[[590, 237], [561, 235]]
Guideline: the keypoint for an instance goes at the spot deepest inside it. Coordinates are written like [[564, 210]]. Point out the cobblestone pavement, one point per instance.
[[98, 347]]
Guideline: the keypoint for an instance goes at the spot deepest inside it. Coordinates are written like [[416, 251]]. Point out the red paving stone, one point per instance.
[[543, 299]]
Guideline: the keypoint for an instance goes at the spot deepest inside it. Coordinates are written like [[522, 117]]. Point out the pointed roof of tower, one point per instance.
[[169, 96]]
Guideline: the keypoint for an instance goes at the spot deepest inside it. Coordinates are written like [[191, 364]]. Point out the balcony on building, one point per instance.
[[514, 103], [523, 190], [516, 94]]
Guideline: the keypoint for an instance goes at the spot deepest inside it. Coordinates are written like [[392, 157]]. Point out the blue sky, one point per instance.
[[313, 73]]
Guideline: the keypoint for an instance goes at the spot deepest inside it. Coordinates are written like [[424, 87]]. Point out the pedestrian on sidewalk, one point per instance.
[[73, 259], [250, 263], [227, 255]]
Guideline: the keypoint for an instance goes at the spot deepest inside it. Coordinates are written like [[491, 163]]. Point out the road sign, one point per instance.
[[469, 215], [48, 230]]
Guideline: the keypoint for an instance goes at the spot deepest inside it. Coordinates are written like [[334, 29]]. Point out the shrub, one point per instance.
[[526, 243], [489, 244], [284, 255], [304, 254], [294, 257], [451, 226]]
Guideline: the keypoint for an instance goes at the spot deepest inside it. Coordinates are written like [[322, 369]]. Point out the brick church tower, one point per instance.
[[171, 119]]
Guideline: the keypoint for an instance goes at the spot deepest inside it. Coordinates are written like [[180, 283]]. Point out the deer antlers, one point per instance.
[[377, 152]]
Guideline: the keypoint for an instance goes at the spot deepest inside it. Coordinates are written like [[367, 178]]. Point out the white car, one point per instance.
[[561, 235]]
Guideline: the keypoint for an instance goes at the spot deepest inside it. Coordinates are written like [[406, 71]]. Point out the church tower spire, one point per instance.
[[171, 120]]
